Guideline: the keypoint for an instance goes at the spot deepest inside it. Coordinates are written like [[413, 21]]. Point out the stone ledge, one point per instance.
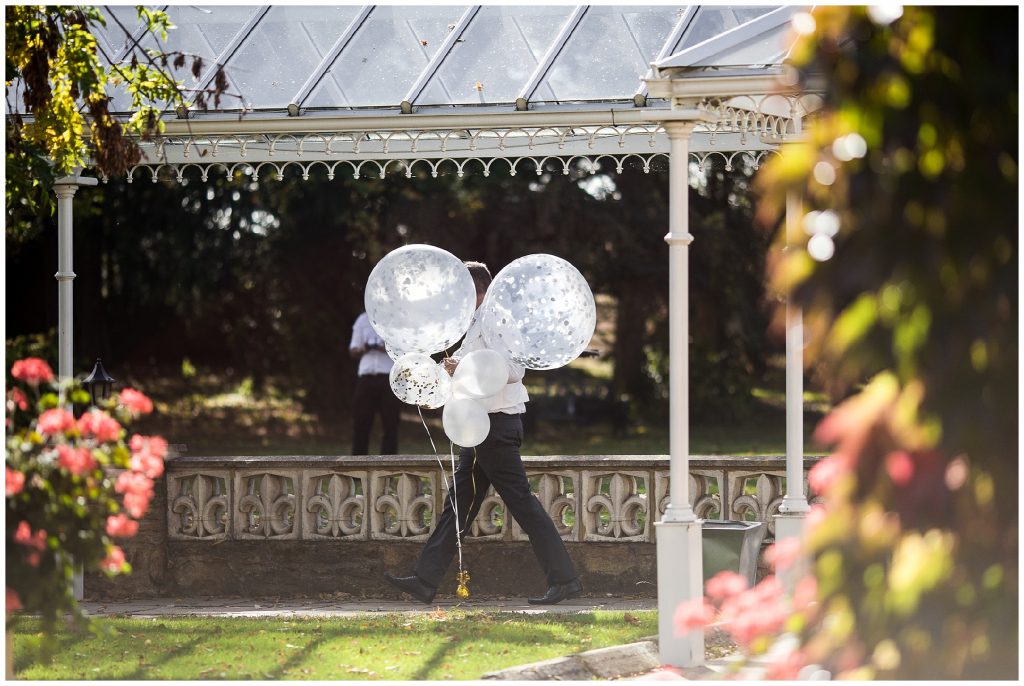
[[601, 663]]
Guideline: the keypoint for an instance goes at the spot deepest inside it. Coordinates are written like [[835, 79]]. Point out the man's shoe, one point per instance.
[[413, 585], [559, 592]]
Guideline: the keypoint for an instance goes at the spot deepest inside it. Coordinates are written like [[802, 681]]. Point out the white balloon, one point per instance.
[[481, 374], [392, 352], [539, 312], [420, 299], [418, 380], [465, 422]]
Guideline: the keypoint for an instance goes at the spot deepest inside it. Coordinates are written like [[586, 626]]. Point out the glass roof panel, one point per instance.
[[760, 50], [384, 58], [609, 52], [112, 39], [198, 32], [283, 50], [496, 55], [713, 20]]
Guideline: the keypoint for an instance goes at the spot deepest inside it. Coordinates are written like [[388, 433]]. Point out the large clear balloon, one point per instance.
[[539, 312], [465, 422], [480, 374], [420, 299], [392, 352], [418, 380]]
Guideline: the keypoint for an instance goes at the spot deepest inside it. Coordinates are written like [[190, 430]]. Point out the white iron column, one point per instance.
[[680, 566], [789, 523], [65, 188]]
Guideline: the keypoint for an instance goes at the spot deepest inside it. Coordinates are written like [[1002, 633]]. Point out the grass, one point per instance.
[[450, 644]]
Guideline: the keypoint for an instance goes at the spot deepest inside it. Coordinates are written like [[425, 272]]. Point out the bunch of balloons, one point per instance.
[[538, 312]]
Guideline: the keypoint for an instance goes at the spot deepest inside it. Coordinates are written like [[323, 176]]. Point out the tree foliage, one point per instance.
[[58, 101], [917, 557]]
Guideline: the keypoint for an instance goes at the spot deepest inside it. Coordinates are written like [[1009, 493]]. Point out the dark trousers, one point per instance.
[[495, 462], [374, 396]]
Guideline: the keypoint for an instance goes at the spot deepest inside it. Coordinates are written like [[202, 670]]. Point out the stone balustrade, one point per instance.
[[316, 526], [605, 499]]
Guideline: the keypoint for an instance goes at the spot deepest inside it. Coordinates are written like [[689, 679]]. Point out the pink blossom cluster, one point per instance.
[[138, 491], [148, 453], [121, 526], [18, 397], [114, 562], [78, 461], [136, 401], [100, 425], [37, 541], [55, 422], [13, 601], [32, 370], [14, 481]]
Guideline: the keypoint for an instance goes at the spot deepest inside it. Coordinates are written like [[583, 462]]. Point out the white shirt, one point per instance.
[[372, 361], [513, 398]]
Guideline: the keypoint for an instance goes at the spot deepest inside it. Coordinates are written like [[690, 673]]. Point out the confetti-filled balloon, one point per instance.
[[418, 380], [392, 352], [539, 312], [420, 299], [465, 422], [480, 374]]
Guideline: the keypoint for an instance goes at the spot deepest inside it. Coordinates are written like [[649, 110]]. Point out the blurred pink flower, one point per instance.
[[805, 593], [725, 585], [136, 401], [120, 526], [783, 554], [137, 489], [55, 421], [823, 475], [14, 481], [19, 398], [13, 601], [900, 467], [99, 424], [148, 454], [32, 370], [786, 669], [76, 460], [695, 613], [757, 612], [114, 561], [37, 542], [815, 516]]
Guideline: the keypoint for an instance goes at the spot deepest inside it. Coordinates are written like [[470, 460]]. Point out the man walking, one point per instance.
[[496, 462]]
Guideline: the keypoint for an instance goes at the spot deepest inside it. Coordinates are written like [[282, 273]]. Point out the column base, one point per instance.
[[791, 525], [680, 578]]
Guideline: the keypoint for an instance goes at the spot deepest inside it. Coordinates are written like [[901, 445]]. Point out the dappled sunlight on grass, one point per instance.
[[449, 644]]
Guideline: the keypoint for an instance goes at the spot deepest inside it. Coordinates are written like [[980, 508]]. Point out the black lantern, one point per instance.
[[98, 383]]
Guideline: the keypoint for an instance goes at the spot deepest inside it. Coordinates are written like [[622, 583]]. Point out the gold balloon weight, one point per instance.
[[462, 591]]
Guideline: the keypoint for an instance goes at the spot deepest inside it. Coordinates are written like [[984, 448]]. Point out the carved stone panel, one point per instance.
[[615, 506], [404, 505], [558, 493], [199, 505], [334, 506], [266, 504], [758, 494], [490, 523]]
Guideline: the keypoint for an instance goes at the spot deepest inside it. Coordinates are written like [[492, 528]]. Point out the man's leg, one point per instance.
[[390, 412], [500, 459], [362, 416], [471, 487]]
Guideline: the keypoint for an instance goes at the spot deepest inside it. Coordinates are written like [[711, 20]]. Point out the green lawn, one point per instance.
[[445, 645]]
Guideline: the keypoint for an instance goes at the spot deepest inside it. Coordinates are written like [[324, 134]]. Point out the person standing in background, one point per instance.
[[373, 390]]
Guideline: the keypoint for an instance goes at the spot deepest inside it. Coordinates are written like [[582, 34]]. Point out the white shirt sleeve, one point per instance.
[[358, 333]]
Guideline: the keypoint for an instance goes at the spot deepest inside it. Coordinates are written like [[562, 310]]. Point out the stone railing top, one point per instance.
[[730, 462]]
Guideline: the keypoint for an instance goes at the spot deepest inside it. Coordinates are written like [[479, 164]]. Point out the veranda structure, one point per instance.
[[386, 90]]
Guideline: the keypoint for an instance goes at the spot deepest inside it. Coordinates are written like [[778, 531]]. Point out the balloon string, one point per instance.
[[452, 493]]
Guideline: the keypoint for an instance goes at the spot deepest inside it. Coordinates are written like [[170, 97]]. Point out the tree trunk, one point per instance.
[[632, 310]]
